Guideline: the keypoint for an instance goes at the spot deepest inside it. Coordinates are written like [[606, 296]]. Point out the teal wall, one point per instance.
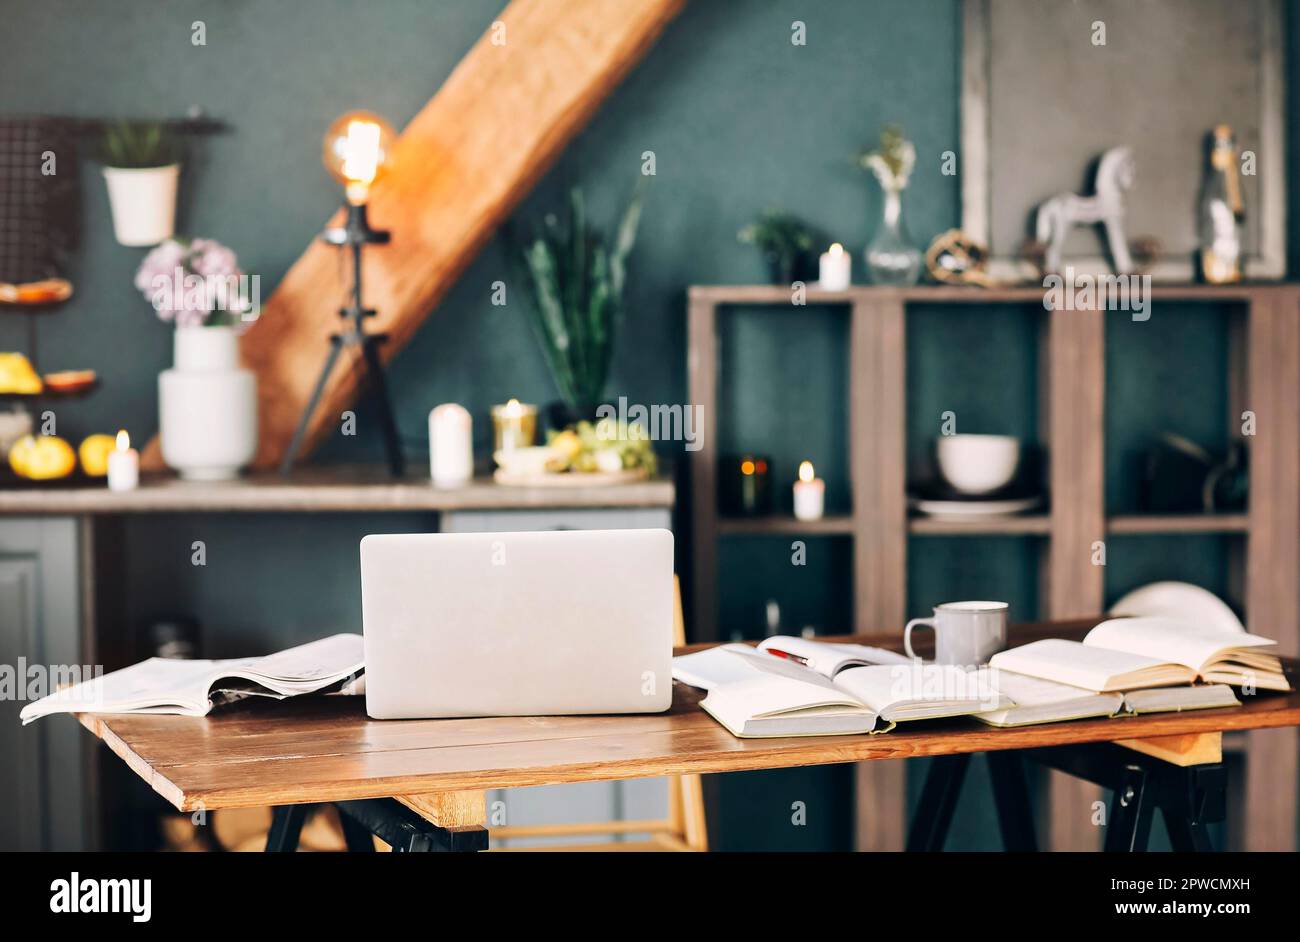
[[739, 120]]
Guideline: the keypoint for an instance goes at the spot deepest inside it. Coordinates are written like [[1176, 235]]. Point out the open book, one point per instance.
[[192, 688], [715, 666], [1044, 701], [829, 658], [756, 694], [1130, 653]]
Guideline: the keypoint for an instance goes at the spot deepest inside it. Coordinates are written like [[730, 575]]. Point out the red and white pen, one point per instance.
[[805, 661]]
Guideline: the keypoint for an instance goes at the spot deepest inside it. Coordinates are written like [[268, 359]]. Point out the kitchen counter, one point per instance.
[[325, 489]]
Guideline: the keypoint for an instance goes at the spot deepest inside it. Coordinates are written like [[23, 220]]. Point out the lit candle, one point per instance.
[[745, 487], [809, 494], [835, 271], [514, 425], [451, 446], [123, 465]]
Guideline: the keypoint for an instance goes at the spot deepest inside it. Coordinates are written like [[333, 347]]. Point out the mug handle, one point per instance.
[[907, 634]]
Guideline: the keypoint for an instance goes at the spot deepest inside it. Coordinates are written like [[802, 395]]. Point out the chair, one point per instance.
[[683, 830]]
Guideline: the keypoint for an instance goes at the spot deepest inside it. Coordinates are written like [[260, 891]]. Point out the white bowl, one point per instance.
[[978, 464]]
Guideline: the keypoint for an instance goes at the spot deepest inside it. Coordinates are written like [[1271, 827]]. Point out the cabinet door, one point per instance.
[[41, 766]]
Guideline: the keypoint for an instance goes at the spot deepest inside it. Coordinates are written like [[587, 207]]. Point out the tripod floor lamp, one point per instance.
[[357, 146]]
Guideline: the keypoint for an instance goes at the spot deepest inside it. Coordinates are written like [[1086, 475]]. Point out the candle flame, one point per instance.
[[123, 440], [806, 471], [837, 249], [747, 467]]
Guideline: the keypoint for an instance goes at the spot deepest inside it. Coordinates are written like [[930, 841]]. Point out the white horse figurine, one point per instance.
[[1115, 173]]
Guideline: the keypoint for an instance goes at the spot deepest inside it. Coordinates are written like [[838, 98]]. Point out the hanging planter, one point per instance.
[[142, 170]]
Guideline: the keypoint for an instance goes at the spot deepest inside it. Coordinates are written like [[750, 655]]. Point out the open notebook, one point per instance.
[[1131, 653], [755, 694], [1044, 701], [714, 666], [192, 688]]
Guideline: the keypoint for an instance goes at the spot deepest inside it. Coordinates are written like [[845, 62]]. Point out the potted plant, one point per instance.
[[784, 241], [207, 403], [141, 167], [574, 280]]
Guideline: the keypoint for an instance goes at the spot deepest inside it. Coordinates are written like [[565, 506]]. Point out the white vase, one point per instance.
[[207, 406], [143, 202]]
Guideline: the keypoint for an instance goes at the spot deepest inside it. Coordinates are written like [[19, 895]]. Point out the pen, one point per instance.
[[805, 661]]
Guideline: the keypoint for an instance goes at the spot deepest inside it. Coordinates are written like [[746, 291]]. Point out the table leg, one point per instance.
[[407, 831], [356, 835], [286, 828], [1015, 814], [1129, 827], [1185, 835], [1189, 797], [939, 797]]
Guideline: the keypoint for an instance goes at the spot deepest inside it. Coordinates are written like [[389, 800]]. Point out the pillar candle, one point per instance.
[[451, 445], [835, 271], [809, 494], [123, 465]]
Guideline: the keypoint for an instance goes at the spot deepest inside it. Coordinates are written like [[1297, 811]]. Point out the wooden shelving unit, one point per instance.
[[784, 524], [1025, 524], [1177, 523], [1263, 376]]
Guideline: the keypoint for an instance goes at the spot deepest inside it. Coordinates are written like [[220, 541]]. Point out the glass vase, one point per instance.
[[892, 258]]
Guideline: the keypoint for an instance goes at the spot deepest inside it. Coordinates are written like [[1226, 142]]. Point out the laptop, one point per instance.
[[517, 624]]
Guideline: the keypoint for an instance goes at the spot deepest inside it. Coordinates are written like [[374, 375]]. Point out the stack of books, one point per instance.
[[1125, 666]]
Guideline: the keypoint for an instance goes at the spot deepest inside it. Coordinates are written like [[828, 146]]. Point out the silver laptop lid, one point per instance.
[[517, 624]]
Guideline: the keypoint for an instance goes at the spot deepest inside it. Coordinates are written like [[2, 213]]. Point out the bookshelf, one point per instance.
[[1263, 376]]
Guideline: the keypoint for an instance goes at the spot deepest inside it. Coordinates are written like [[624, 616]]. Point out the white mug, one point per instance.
[[965, 633]]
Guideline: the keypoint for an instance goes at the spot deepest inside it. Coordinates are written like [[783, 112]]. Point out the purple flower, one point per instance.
[[187, 283], [208, 257], [162, 260]]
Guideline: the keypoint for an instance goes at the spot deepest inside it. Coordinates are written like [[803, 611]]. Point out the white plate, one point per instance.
[[1180, 600], [973, 508], [570, 478]]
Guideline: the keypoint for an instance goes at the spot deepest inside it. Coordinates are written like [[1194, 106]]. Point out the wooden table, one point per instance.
[[317, 750], [69, 578]]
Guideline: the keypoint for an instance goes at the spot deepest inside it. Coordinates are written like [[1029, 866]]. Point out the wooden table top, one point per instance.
[[324, 489], [326, 748]]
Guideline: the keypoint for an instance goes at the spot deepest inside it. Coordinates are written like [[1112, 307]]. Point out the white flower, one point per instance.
[[889, 180], [609, 460]]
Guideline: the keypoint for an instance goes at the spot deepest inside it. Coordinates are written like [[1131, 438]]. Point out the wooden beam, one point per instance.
[[1076, 380], [1185, 750], [460, 166], [878, 465], [1273, 550], [449, 809]]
